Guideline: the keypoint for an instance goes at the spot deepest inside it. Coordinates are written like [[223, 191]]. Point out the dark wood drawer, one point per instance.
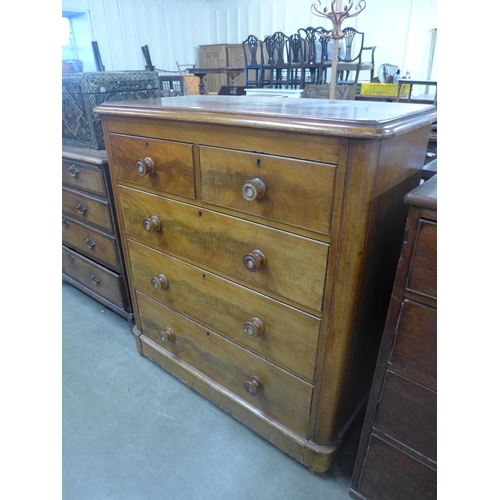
[[225, 307], [295, 192], [171, 169], [409, 480], [414, 351], [83, 177], [87, 209], [91, 242], [407, 412], [422, 276], [97, 278], [282, 395], [295, 266]]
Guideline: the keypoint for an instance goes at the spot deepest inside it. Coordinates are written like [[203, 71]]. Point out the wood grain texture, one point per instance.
[[173, 163], [85, 177], [296, 192], [295, 268], [282, 396], [290, 335]]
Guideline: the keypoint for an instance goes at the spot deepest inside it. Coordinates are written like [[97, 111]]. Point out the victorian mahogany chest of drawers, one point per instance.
[[261, 238], [92, 256], [397, 455]]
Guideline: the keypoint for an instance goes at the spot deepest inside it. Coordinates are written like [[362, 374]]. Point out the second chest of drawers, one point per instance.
[[92, 257], [261, 242]]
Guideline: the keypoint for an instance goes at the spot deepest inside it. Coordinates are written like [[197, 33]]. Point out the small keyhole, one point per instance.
[[258, 163], [147, 144], [208, 334], [200, 215], [204, 276]]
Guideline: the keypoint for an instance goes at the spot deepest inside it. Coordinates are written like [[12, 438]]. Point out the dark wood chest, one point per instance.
[[397, 456], [92, 256]]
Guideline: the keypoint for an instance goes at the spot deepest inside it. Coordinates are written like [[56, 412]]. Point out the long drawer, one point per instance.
[[278, 332], [87, 209], [402, 404], [154, 163], [295, 192], [414, 351], [278, 393], [95, 277], [82, 176], [91, 242], [293, 267]]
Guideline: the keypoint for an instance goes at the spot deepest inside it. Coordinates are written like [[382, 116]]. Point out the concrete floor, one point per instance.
[[132, 431]]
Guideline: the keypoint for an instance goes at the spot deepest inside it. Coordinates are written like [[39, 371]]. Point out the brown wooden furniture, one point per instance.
[[351, 55], [92, 256], [222, 55], [262, 238], [411, 82], [232, 73], [397, 456]]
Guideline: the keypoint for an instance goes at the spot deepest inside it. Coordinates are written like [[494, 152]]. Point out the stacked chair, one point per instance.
[[303, 58]]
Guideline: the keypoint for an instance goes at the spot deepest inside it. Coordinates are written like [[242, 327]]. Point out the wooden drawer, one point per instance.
[[407, 412], [422, 276], [91, 242], [295, 266], [95, 277], [410, 480], [289, 337], [83, 177], [295, 192], [414, 351], [282, 395], [87, 209], [173, 163]]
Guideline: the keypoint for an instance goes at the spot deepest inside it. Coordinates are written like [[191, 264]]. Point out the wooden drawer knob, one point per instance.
[[145, 166], [254, 260], [253, 189], [167, 335], [151, 224], [253, 385], [159, 282], [253, 327]]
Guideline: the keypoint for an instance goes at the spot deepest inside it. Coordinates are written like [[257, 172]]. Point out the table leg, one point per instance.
[[201, 85]]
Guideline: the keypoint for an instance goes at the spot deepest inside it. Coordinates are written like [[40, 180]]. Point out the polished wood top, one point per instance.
[[95, 156], [425, 195], [330, 117]]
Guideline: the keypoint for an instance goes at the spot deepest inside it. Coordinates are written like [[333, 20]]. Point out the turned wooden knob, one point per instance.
[[254, 260], [167, 335], [151, 224], [253, 327], [159, 282], [253, 189], [145, 166], [253, 385]]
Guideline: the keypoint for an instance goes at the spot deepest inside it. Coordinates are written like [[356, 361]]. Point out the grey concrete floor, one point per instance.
[[132, 431]]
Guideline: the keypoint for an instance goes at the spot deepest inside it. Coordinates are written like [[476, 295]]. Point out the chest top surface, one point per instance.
[[330, 117]]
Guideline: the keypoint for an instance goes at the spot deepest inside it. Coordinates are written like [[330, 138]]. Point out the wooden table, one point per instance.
[[233, 72], [411, 82]]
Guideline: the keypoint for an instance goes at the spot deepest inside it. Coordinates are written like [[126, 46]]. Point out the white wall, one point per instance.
[[173, 30]]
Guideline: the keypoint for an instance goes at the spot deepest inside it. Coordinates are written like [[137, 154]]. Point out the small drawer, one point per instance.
[[295, 192], [422, 276], [414, 352], [265, 326], [280, 394], [91, 242], [407, 412], [87, 209], [274, 261], [390, 474], [84, 177], [95, 277], [153, 163]]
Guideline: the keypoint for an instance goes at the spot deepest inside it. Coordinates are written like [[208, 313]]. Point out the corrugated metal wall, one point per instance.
[[173, 30]]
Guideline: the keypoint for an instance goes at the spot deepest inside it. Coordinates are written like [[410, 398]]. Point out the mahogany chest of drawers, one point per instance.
[[397, 455], [92, 256], [261, 239]]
